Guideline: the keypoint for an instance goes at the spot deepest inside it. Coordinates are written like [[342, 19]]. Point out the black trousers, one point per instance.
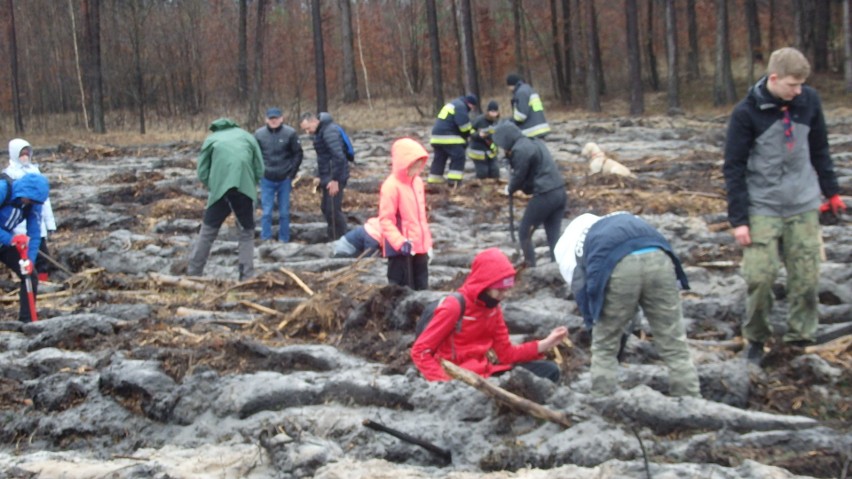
[[547, 209], [332, 210], [411, 271], [10, 257], [233, 201]]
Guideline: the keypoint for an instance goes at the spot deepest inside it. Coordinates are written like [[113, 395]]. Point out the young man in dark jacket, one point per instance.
[[332, 169], [776, 165], [614, 265], [282, 156], [24, 203], [534, 173]]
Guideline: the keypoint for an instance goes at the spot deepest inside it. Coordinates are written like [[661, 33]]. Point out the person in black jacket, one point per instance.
[[282, 156], [481, 148], [777, 166], [533, 172], [332, 169]]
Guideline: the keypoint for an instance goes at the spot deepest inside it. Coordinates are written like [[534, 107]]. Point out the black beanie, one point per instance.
[[513, 79], [492, 106]]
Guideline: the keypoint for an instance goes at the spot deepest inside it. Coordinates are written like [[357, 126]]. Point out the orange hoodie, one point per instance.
[[402, 201]]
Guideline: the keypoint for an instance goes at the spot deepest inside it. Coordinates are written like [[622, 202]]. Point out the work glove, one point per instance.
[[431, 255], [405, 249], [833, 204], [26, 267]]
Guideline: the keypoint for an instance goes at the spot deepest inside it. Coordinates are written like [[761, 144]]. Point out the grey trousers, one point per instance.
[[243, 208], [647, 280]]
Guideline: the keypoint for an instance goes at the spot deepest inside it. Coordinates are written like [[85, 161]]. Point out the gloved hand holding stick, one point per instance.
[[21, 242]]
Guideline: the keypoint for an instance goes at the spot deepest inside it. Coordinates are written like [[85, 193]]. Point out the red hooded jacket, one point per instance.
[[402, 202], [482, 328]]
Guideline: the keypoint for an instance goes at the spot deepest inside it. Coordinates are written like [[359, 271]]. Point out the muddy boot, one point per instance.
[[201, 250], [245, 254]]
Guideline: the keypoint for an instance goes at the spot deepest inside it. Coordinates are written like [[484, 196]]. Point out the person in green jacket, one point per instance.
[[230, 166]]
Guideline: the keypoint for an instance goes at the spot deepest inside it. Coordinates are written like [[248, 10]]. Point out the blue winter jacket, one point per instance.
[[35, 187], [608, 241]]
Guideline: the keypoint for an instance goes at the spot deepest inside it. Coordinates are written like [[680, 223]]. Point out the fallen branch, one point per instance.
[[835, 346], [500, 394], [297, 280], [165, 280], [262, 309], [442, 453]]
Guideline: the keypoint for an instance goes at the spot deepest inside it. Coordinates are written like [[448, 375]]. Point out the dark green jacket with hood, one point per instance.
[[230, 158]]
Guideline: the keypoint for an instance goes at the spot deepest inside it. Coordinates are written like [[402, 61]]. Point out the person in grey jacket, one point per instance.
[[332, 168], [777, 165], [533, 172], [282, 156]]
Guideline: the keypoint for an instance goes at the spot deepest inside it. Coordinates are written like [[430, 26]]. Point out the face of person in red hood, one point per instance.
[[488, 265]]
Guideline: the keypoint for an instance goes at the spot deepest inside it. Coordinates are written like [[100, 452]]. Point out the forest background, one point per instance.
[[145, 70]]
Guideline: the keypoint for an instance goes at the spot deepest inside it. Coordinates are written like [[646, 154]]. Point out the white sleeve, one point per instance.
[[48, 221]]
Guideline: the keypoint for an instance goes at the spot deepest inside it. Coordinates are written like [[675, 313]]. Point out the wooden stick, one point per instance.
[[500, 394], [443, 453], [262, 309], [297, 280], [163, 279]]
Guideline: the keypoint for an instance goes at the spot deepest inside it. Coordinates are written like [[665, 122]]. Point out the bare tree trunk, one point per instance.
[[693, 70], [319, 56], [578, 48], [242, 54], [821, 27], [259, 32], [470, 72], [723, 84], [350, 79], [597, 58], [567, 46], [136, 39], [671, 57], [653, 75], [519, 40], [13, 66], [435, 56], [458, 57], [847, 43], [753, 25], [77, 61], [634, 62], [361, 56], [94, 71], [593, 88], [561, 87]]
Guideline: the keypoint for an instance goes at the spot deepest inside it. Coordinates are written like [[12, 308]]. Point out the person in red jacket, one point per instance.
[[402, 216], [482, 328]]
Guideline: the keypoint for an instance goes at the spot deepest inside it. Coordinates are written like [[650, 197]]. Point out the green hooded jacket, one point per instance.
[[230, 158]]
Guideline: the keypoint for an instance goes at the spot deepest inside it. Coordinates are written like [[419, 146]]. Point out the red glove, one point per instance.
[[833, 204]]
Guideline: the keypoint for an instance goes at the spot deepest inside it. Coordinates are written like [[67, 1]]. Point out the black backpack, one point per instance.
[[429, 312]]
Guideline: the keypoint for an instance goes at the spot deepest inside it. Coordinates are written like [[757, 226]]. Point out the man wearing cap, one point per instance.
[[482, 328], [282, 156], [449, 138], [614, 265], [527, 109], [482, 150]]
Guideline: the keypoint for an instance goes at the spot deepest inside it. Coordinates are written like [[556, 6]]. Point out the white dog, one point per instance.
[[600, 163]]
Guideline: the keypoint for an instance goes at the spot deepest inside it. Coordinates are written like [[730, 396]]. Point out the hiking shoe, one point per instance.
[[754, 353], [798, 346]]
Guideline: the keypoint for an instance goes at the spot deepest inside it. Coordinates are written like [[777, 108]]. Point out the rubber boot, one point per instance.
[[201, 250], [245, 254]]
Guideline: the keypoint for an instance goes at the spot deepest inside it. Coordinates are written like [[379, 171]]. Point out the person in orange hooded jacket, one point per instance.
[[482, 328], [402, 215]]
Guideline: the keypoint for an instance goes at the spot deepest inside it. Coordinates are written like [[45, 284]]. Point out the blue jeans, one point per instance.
[[269, 191]]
